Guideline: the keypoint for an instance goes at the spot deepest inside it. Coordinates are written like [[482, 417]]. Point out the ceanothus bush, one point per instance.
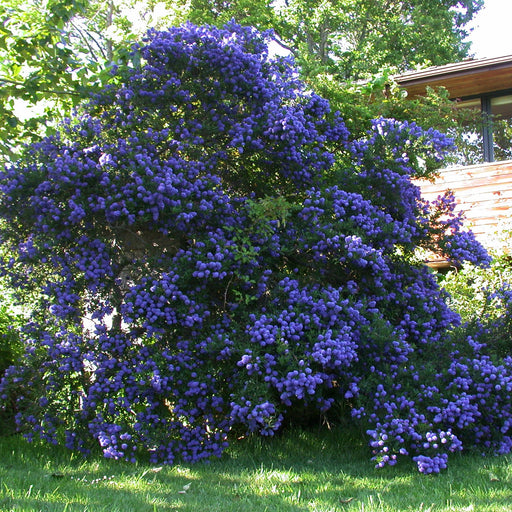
[[207, 250]]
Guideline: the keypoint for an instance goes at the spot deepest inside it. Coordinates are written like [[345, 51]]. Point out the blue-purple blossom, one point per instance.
[[210, 251]]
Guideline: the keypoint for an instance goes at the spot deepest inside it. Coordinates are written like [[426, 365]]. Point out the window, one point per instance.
[[486, 135], [500, 132]]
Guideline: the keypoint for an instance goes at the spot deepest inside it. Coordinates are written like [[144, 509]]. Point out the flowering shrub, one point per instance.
[[213, 252]]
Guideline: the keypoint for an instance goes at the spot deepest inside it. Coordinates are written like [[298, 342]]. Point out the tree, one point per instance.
[[352, 39], [214, 254], [56, 53]]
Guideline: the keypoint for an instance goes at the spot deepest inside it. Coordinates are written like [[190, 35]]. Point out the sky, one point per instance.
[[492, 34]]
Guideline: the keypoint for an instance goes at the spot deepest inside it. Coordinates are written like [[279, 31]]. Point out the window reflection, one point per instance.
[[501, 112], [468, 135], [485, 133]]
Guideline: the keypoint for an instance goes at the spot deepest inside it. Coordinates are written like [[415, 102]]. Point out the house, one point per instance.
[[483, 189]]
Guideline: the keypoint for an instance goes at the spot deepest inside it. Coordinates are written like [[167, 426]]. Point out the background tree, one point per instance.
[[352, 39], [54, 53]]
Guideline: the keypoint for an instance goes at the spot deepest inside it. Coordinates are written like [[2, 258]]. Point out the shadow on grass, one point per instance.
[[303, 471]]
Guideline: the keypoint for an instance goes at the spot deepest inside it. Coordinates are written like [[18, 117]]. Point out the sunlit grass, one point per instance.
[[307, 471]]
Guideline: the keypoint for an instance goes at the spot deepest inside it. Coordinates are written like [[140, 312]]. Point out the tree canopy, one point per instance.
[[53, 54], [354, 38]]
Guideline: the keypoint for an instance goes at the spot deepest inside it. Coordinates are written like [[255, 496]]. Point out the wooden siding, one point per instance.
[[483, 192]]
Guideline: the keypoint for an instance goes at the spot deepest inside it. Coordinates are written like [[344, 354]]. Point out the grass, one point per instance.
[[304, 471]]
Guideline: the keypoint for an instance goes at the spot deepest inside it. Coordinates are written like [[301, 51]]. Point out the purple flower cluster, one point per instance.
[[462, 246], [173, 305]]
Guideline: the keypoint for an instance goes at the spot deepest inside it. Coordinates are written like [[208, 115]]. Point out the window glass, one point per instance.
[[501, 110], [468, 136], [477, 126], [502, 106]]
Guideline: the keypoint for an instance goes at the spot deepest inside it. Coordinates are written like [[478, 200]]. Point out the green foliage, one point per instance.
[[10, 345], [270, 209], [258, 13], [352, 39], [54, 54], [502, 135], [36, 65], [11, 349], [483, 298], [473, 290], [380, 95]]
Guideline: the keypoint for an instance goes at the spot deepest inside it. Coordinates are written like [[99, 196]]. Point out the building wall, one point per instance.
[[484, 192]]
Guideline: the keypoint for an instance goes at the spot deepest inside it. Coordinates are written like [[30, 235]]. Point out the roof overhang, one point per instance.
[[462, 79]]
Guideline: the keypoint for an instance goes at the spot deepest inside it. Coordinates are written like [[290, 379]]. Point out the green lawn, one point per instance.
[[313, 471]]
